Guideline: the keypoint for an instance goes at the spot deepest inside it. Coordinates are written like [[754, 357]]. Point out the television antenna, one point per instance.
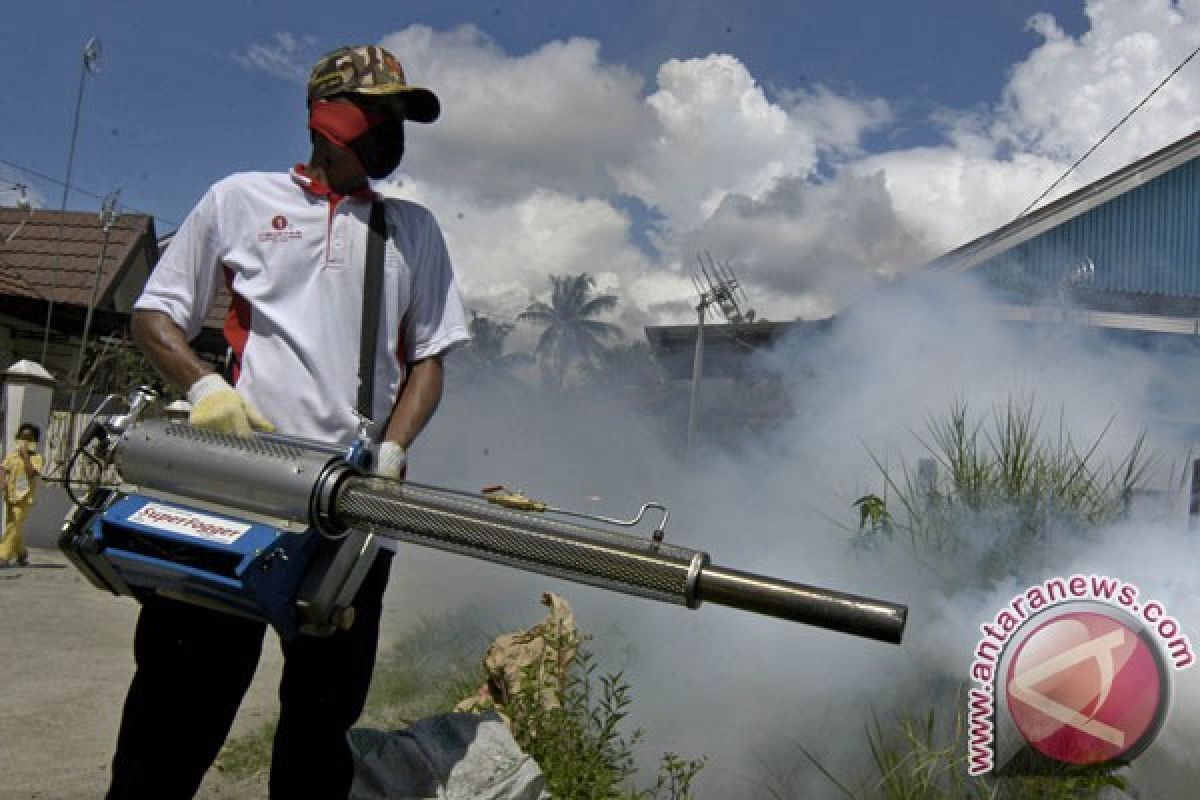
[[717, 286], [23, 204]]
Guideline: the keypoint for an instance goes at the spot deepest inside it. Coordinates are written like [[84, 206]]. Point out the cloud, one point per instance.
[[289, 57], [718, 134], [556, 118], [819, 241], [516, 245], [557, 160], [533, 152], [1069, 92]]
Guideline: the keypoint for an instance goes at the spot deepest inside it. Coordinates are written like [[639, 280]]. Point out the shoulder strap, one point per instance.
[[372, 296]]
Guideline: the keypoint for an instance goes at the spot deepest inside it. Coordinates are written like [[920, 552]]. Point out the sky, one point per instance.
[[818, 148]]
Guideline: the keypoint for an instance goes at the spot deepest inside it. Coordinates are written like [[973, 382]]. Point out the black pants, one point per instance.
[[193, 668]]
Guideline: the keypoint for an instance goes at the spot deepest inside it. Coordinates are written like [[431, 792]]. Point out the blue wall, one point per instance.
[[1144, 241]]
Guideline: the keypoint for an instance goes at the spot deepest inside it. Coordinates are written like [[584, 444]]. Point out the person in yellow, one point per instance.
[[19, 476]]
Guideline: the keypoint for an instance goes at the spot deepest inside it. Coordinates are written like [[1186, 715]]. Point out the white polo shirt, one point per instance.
[[293, 257]]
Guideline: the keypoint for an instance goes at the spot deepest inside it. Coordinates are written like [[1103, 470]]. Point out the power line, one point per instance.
[[1111, 131], [81, 190]]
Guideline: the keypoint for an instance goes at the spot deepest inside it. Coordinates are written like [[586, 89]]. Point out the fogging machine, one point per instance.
[[283, 530]]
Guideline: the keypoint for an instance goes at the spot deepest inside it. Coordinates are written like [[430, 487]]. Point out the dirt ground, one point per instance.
[[66, 656]]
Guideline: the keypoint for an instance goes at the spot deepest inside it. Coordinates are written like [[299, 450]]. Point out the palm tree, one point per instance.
[[482, 363], [571, 334], [487, 337]]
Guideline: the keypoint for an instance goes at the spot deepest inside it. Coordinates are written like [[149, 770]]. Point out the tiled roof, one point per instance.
[[46, 253]]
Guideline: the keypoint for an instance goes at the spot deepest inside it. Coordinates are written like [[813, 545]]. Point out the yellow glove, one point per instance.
[[216, 406]]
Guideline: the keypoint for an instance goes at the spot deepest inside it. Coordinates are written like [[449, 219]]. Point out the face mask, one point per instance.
[[377, 140], [380, 149]]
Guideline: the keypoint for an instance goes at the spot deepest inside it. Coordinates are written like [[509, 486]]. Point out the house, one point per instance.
[[1121, 254], [53, 265]]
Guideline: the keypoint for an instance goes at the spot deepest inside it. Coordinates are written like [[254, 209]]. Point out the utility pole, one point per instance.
[[90, 64], [697, 364], [108, 218]]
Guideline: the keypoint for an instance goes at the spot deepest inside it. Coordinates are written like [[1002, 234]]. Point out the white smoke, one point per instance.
[[751, 692]]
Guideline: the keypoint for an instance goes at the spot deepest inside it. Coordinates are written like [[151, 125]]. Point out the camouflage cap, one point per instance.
[[370, 70]]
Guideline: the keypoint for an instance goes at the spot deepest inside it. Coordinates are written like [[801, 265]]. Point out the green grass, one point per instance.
[[1004, 486], [915, 758], [579, 743], [426, 672], [248, 756], [1007, 483]]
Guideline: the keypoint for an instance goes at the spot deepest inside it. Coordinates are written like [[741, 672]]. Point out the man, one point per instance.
[[291, 249], [19, 474]]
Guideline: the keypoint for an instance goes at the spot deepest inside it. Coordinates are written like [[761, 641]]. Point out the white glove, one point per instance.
[[391, 461], [216, 406]]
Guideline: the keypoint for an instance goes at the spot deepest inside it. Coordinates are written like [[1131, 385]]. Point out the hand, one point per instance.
[[216, 406], [391, 461]]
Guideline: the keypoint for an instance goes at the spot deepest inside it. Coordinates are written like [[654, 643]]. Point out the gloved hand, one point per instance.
[[391, 461], [216, 406]]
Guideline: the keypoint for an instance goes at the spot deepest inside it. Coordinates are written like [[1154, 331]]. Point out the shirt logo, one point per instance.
[[281, 231]]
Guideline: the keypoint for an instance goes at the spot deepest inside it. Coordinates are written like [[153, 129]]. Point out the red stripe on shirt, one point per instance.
[[237, 325]]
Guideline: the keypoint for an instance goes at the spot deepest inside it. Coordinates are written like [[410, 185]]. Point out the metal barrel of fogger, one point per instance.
[[293, 480], [597, 557], [270, 476]]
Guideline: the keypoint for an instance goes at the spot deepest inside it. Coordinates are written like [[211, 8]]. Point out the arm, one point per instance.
[[418, 399], [432, 324], [31, 473], [215, 404], [165, 344]]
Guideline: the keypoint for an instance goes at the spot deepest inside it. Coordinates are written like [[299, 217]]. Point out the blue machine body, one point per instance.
[[139, 545], [141, 542]]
